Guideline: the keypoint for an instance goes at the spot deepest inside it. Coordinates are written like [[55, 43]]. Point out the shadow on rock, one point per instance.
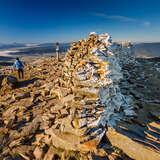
[[25, 83]]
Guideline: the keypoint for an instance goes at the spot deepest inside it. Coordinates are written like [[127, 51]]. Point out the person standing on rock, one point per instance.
[[18, 65], [57, 51]]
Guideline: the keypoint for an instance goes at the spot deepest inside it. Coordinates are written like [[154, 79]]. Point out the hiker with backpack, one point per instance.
[[18, 65]]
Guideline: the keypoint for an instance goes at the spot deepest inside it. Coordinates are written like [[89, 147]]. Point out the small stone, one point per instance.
[[21, 96], [45, 93], [50, 154], [38, 153]]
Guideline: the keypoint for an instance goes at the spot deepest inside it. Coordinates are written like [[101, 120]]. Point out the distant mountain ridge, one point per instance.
[[12, 45], [29, 45], [141, 49], [32, 48], [147, 49]]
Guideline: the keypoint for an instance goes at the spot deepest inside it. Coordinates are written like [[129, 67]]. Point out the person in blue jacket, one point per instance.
[[18, 65]]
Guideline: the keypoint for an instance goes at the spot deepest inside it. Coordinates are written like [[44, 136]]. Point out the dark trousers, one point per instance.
[[20, 73]]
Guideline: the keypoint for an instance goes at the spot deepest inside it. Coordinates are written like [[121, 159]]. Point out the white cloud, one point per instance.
[[115, 17], [147, 24], [122, 18]]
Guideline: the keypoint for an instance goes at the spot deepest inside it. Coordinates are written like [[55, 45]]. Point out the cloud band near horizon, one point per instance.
[[122, 18]]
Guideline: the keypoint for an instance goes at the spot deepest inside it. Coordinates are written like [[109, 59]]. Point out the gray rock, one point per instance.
[[11, 81], [22, 96]]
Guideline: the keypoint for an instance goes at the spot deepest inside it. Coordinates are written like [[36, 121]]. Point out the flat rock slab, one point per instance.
[[72, 142], [131, 148]]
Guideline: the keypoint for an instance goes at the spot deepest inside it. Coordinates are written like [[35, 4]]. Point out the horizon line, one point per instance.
[[4, 43]]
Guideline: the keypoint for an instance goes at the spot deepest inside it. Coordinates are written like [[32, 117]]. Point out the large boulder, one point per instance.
[[10, 81]]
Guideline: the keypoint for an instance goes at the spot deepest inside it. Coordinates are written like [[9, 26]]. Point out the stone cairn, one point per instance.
[[91, 97], [73, 104]]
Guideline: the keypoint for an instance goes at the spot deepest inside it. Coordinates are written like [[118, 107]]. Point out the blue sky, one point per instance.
[[67, 20]]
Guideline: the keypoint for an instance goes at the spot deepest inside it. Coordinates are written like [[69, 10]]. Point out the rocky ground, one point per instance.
[[41, 116], [144, 84]]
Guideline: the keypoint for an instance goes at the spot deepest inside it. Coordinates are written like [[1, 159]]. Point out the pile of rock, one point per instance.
[[93, 73], [90, 96]]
